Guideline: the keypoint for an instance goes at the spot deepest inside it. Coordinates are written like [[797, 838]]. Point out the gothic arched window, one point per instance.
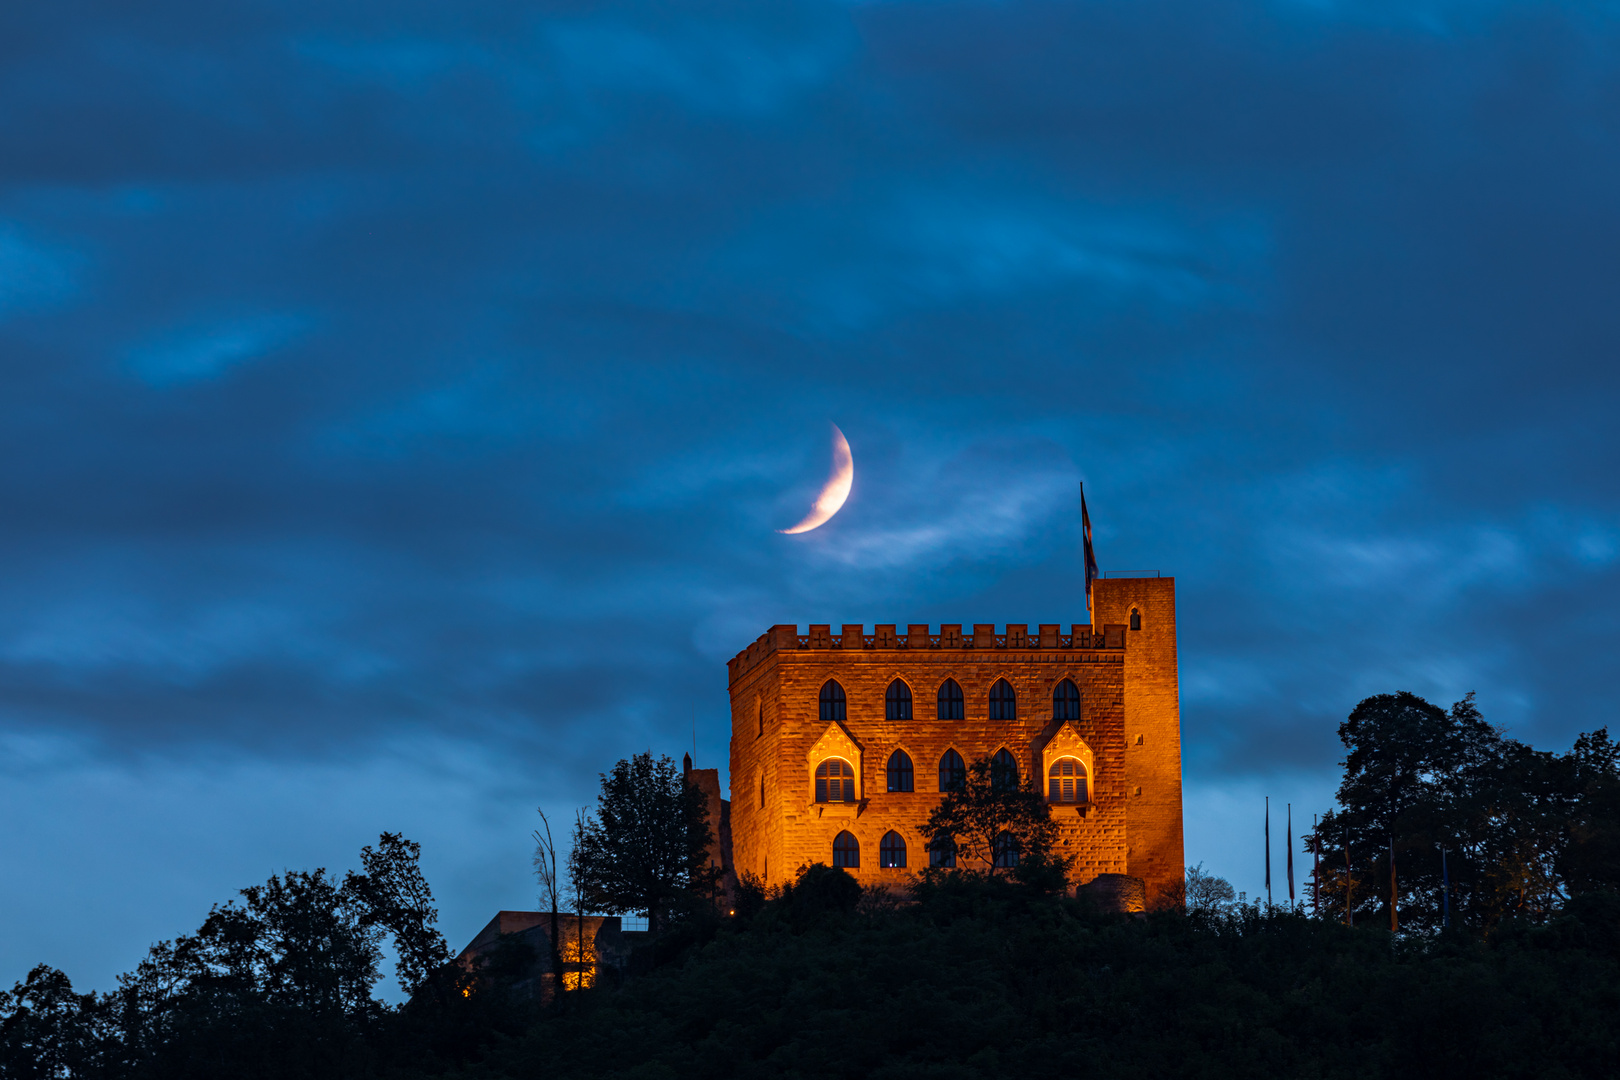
[[1065, 701], [846, 851], [942, 852], [1003, 704], [900, 776], [897, 701], [892, 851], [950, 700], [952, 772], [1003, 771], [1005, 850], [832, 702], [1066, 781], [835, 781]]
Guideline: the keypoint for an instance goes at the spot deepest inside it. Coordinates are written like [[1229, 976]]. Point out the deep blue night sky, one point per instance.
[[398, 400]]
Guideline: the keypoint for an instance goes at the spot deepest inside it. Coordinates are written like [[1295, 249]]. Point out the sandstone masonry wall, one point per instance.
[[778, 738]]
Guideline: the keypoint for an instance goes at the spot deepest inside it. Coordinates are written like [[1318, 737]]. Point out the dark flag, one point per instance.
[[1268, 849], [1090, 552], [1290, 854]]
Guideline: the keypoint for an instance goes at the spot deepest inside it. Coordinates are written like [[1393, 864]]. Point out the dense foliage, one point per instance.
[[645, 850], [990, 978], [1522, 830]]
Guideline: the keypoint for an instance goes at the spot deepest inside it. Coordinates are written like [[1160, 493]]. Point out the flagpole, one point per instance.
[[1268, 851], [1290, 856]]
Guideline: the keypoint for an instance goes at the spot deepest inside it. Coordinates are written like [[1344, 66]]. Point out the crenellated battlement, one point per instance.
[[852, 636]]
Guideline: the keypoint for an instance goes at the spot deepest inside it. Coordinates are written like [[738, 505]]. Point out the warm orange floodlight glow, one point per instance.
[[832, 496]]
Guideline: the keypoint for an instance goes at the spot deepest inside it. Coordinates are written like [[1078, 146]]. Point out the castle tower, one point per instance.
[[841, 742], [1146, 606]]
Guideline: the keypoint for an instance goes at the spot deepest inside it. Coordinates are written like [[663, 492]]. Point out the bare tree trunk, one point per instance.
[[545, 860]]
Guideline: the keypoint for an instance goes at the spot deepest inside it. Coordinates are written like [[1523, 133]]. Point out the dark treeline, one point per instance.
[[1522, 830], [979, 971]]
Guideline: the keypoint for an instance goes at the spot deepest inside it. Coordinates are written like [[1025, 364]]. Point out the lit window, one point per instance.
[[952, 772], [897, 701], [1066, 701], [832, 702], [1006, 850], [942, 852], [1066, 781], [1136, 619], [900, 778], [835, 781], [950, 700], [1003, 704], [1003, 771], [846, 851], [892, 851]]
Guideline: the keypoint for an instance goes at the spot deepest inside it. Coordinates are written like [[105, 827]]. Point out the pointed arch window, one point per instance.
[[952, 772], [1003, 771], [1066, 701], [1003, 702], [846, 850], [900, 772], [1066, 781], [835, 781], [1005, 850], [832, 702], [942, 852], [950, 700], [892, 851], [897, 701]]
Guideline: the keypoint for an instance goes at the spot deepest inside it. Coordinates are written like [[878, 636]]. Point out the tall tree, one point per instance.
[[646, 847], [991, 814], [1521, 828], [395, 895]]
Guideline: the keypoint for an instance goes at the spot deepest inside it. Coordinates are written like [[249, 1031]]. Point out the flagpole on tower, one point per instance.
[[1090, 554]]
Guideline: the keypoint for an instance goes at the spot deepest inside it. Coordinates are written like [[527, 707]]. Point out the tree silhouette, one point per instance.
[[646, 847]]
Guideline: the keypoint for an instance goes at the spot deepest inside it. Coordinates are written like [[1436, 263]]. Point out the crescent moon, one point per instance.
[[832, 496]]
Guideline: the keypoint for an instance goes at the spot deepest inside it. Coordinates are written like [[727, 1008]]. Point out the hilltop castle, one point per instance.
[[842, 742]]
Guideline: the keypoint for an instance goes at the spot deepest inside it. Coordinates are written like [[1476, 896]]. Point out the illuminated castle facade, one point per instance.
[[842, 740]]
